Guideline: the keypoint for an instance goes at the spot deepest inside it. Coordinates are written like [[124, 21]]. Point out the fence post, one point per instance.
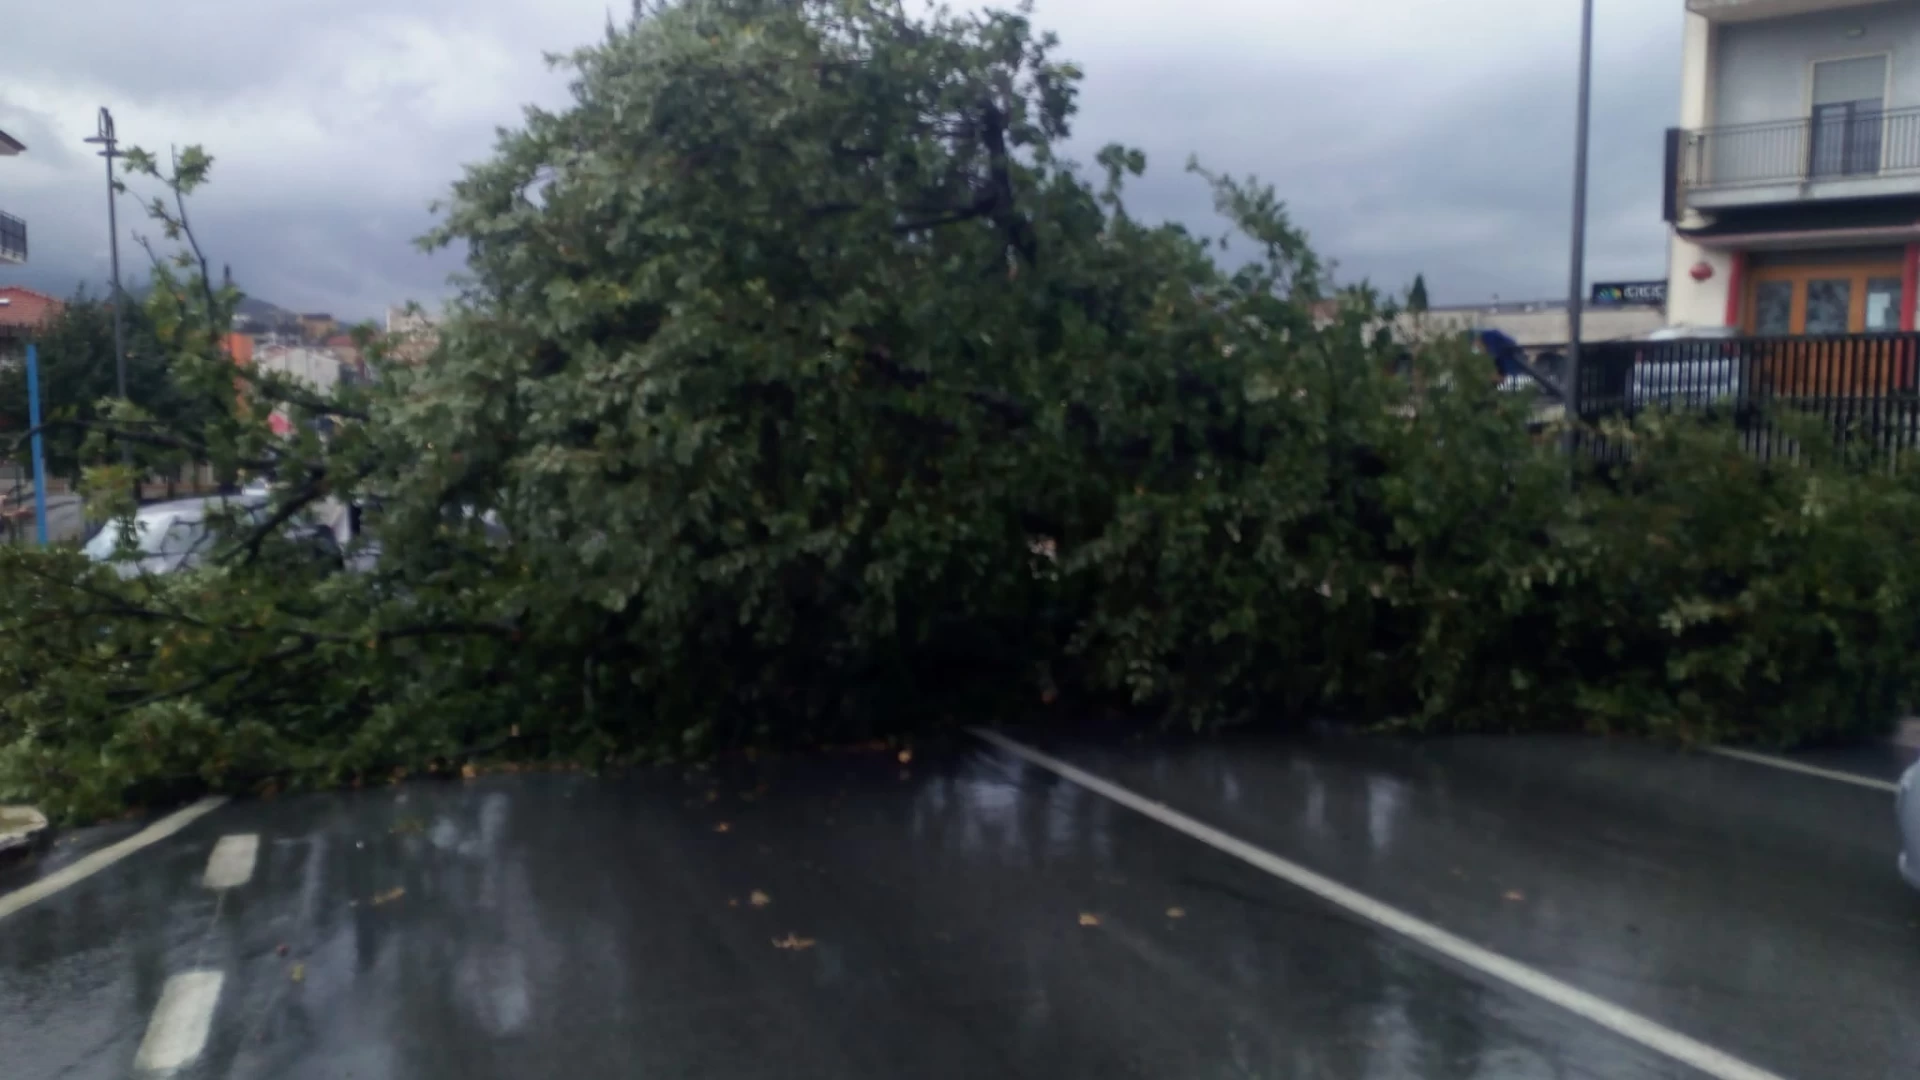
[[39, 452]]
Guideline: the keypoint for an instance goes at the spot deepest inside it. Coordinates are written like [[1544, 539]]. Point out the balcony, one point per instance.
[[13, 239], [1843, 153], [1748, 10]]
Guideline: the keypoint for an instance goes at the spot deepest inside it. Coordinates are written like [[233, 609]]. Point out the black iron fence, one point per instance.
[[1838, 142], [1864, 387]]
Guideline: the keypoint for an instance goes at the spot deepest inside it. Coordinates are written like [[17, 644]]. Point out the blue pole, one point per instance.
[[39, 452]]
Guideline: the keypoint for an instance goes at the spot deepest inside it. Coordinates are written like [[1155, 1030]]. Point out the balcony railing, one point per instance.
[[13, 239], [1842, 142]]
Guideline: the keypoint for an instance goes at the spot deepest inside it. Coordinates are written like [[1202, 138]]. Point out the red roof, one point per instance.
[[24, 309]]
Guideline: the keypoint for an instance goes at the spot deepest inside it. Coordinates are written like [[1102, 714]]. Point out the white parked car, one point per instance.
[[1693, 368], [183, 533]]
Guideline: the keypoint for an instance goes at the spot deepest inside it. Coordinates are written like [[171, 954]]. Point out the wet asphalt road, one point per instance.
[[970, 915]]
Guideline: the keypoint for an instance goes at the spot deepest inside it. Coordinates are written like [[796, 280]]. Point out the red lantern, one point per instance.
[[1701, 271]]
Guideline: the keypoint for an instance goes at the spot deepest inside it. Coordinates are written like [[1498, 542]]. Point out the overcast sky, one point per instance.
[[1407, 135]]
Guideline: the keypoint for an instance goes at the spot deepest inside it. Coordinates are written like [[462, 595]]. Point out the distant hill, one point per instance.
[[255, 308]]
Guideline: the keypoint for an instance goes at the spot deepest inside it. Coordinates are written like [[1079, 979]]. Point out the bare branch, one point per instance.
[[193, 242]]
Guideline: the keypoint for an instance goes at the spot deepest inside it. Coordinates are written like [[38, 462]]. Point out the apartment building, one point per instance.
[[13, 231], [1793, 182]]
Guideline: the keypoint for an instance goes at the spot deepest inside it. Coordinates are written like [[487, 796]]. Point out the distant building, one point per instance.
[[414, 334], [319, 368], [317, 326], [13, 230], [22, 312], [409, 320], [1539, 326], [353, 366]]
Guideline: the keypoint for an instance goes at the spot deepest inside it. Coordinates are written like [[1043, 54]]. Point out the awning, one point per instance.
[[1836, 223]]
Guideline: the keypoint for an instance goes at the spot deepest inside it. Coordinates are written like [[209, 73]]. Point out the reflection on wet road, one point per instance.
[[971, 915]]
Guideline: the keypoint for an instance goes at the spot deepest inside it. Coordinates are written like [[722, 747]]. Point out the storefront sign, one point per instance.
[[1618, 293]]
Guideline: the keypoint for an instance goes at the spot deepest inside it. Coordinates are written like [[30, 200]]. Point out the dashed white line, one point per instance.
[[1809, 770], [107, 856], [178, 1031], [231, 863], [1681, 1048]]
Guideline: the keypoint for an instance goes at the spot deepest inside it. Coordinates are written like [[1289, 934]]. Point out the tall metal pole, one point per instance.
[[109, 149], [1576, 285], [39, 451]]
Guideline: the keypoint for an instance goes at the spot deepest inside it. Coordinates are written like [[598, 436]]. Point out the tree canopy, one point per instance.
[[800, 388]]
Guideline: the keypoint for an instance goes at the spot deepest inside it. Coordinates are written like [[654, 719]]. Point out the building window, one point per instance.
[[1828, 301], [1849, 101], [1883, 304], [1773, 308], [1825, 295]]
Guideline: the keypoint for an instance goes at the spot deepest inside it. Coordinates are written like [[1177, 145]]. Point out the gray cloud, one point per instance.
[[1406, 135]]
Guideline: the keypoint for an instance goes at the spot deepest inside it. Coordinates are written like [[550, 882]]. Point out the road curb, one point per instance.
[[22, 829]]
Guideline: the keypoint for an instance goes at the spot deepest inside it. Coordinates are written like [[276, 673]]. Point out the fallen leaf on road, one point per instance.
[[759, 899], [713, 795], [388, 897], [723, 827], [1176, 913], [733, 901], [1514, 894], [791, 941], [1089, 919], [905, 756], [468, 772], [299, 973]]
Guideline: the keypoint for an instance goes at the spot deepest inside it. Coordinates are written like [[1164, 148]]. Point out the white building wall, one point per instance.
[[1541, 327], [318, 368], [1763, 70], [1697, 303], [1690, 302]]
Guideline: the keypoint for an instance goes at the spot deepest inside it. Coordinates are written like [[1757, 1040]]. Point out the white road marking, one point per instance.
[[1810, 770], [107, 856], [178, 1031], [231, 863], [1639, 1029]]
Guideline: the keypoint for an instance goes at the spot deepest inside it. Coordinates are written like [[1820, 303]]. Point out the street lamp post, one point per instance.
[[1576, 286], [110, 149]]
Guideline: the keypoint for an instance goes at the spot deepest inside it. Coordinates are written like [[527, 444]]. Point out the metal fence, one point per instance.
[[1841, 142], [1861, 386]]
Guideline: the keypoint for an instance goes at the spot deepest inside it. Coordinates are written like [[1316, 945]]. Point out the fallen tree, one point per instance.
[[819, 397]]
